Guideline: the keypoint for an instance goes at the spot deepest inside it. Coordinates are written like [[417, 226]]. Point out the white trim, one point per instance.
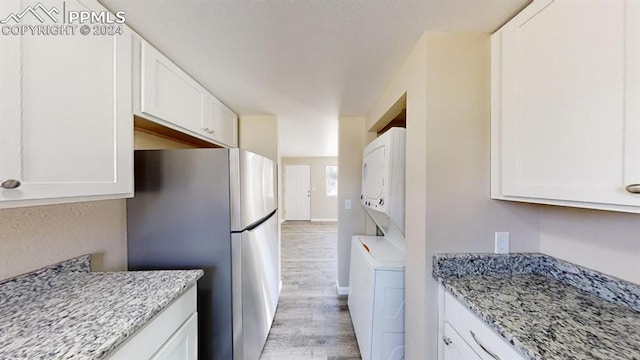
[[341, 290], [323, 220]]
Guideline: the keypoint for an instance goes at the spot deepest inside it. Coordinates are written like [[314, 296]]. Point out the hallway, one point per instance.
[[311, 322]]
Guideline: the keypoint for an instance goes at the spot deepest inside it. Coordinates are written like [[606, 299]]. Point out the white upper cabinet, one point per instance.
[[170, 97], [566, 105], [222, 123], [65, 114]]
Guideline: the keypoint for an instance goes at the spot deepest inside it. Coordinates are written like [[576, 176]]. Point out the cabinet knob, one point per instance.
[[10, 184], [447, 340], [634, 188]]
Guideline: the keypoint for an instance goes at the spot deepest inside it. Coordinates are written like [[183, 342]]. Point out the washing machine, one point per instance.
[[376, 297]]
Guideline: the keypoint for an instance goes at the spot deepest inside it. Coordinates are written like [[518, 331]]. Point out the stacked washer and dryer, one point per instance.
[[376, 278]]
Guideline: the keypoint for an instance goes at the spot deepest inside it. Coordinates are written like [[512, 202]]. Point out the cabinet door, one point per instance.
[[10, 109], [169, 94], [482, 339], [183, 344], [72, 135], [455, 348], [566, 78], [221, 123]]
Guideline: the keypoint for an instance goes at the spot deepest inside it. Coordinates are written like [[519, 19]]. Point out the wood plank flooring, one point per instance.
[[311, 322]]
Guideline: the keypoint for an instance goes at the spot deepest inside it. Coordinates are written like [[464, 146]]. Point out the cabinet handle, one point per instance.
[[210, 131], [473, 335], [634, 188], [447, 340], [10, 184]]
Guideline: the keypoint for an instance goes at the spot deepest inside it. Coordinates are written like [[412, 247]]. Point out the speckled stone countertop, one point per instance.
[[547, 308], [66, 312]]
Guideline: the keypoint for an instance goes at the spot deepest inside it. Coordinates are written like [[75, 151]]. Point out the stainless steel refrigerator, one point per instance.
[[212, 209]]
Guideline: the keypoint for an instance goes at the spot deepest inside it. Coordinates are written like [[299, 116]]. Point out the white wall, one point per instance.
[[605, 241], [351, 142], [446, 80], [259, 134]]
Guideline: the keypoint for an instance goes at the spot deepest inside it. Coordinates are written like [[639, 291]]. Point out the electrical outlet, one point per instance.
[[347, 204], [502, 242]]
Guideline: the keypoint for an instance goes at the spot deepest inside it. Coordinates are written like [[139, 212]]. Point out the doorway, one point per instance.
[[297, 192]]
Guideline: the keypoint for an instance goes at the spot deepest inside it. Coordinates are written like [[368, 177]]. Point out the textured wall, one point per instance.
[[34, 237], [606, 241]]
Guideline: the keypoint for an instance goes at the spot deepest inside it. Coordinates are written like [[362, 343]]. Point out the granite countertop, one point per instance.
[[547, 308], [67, 312]]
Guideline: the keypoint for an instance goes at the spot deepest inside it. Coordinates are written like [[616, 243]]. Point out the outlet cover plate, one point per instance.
[[502, 242]]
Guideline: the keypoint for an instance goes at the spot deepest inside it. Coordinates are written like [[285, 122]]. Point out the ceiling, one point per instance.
[[306, 61]]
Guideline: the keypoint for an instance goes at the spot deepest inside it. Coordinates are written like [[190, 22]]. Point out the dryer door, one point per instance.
[[374, 170]]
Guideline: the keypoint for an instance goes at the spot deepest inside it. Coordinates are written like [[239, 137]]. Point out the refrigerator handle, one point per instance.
[[258, 223]]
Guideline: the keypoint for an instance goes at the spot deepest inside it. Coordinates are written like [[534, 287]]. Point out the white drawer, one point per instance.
[[456, 348], [480, 337]]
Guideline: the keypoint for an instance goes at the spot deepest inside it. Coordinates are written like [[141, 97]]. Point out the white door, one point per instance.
[[297, 192]]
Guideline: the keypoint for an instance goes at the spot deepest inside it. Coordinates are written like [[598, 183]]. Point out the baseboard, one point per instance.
[[324, 220], [342, 290]]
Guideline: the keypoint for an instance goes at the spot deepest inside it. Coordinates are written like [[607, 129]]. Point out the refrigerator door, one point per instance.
[[256, 287], [253, 188]]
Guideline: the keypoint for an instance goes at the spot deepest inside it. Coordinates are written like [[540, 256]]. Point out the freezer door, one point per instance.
[[253, 188], [256, 287]]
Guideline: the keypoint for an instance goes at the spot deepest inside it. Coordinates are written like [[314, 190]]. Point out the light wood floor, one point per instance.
[[311, 322]]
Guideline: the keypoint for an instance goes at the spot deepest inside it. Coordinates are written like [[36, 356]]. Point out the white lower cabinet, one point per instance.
[[183, 345], [170, 335], [66, 115], [455, 347], [463, 336]]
